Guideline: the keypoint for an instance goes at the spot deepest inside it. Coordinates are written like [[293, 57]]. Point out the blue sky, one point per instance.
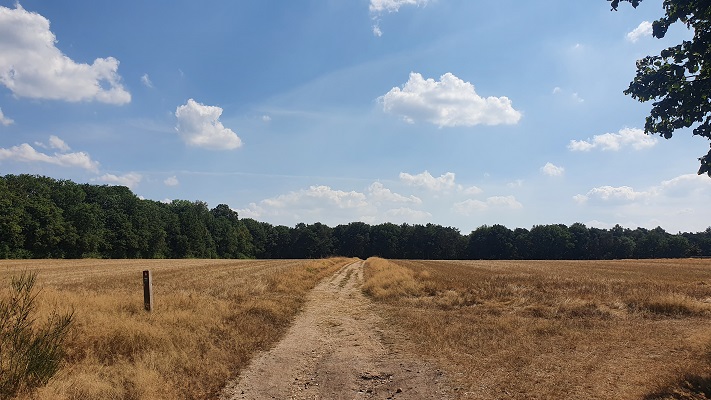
[[456, 112]]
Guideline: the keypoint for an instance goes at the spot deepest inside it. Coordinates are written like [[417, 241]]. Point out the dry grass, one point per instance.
[[210, 317], [555, 329]]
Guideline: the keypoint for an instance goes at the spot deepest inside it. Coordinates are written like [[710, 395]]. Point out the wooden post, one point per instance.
[[147, 290]]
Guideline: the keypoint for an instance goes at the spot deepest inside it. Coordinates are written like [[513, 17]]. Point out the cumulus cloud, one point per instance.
[[199, 126], [679, 203], [171, 181], [471, 206], [427, 181], [448, 102], [319, 194], [634, 137], [686, 185], [130, 180], [146, 81], [32, 66], [27, 154], [318, 202], [644, 29], [611, 193], [325, 204], [5, 120], [552, 170], [381, 194]]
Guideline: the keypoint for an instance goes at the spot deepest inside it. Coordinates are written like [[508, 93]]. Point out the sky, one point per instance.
[[460, 113]]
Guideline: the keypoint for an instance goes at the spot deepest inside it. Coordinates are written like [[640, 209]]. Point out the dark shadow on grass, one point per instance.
[[691, 387]]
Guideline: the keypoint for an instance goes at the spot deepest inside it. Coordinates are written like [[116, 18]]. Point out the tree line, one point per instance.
[[41, 217]]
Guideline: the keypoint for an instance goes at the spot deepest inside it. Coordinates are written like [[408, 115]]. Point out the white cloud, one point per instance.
[[5, 120], [327, 205], [471, 206], [575, 97], [59, 144], [448, 102], [317, 203], [611, 193], [171, 181], [515, 184], [266, 118], [426, 180], [129, 180], [381, 194], [379, 6], [615, 141], [146, 81], [28, 154], [689, 186], [471, 190], [644, 29], [552, 170], [199, 125], [686, 185], [376, 31], [32, 66], [55, 143], [318, 195], [677, 204], [504, 201], [405, 214]]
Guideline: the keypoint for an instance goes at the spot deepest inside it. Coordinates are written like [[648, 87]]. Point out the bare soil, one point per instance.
[[336, 349]]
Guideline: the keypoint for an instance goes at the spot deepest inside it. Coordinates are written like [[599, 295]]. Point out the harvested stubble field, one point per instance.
[[635, 329], [210, 317], [498, 329]]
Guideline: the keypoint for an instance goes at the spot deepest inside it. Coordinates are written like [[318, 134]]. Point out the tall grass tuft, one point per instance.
[[30, 354]]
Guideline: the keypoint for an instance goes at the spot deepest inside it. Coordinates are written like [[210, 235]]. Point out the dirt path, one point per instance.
[[334, 350]]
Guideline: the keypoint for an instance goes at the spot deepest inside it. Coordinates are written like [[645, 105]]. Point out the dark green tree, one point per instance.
[[678, 80], [550, 242], [384, 240], [491, 243], [352, 239]]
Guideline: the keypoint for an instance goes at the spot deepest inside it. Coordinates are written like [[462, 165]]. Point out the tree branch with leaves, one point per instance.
[[678, 80]]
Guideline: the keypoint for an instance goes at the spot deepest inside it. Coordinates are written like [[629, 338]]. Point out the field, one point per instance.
[[210, 317], [555, 329], [634, 329]]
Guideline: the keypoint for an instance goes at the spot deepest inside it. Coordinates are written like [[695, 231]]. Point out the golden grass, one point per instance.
[[555, 329], [210, 317]]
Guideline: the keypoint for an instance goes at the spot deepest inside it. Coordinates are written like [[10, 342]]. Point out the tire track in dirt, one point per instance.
[[334, 350]]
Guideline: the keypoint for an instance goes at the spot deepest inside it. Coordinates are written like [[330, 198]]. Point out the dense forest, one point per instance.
[[41, 217]]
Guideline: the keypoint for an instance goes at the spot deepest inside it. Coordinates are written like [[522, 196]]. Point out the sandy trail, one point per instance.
[[335, 350]]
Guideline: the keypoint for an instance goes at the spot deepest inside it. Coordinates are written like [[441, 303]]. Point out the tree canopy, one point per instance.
[[45, 218], [678, 80]]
